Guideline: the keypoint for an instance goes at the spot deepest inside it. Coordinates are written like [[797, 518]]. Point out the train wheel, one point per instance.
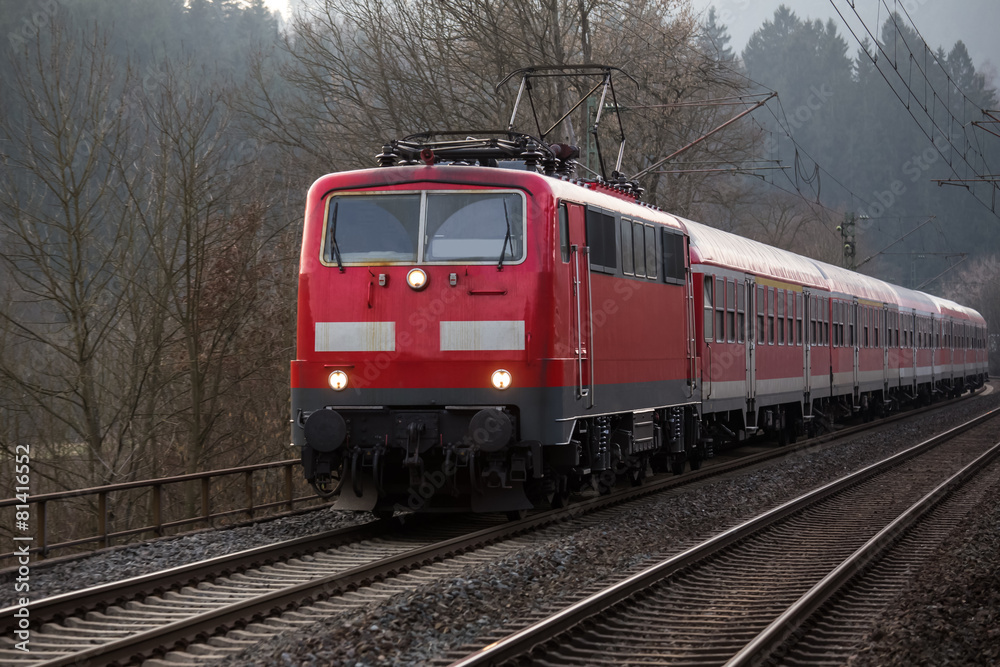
[[696, 462], [782, 437], [516, 515], [606, 482], [560, 499], [678, 463]]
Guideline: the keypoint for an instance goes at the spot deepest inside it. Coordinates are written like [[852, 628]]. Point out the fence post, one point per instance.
[[158, 509], [206, 506], [248, 475], [102, 518], [289, 488], [43, 533]]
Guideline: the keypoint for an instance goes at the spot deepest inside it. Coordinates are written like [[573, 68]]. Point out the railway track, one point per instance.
[[195, 614], [796, 585]]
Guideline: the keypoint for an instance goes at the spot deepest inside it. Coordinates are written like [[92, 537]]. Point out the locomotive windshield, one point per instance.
[[380, 228], [467, 226]]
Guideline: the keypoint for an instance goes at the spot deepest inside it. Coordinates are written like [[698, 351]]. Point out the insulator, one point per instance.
[[386, 158]]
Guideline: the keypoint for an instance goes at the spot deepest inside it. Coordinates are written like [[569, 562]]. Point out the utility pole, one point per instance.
[[847, 235]]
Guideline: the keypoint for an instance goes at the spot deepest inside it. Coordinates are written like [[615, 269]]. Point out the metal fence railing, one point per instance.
[[265, 488]]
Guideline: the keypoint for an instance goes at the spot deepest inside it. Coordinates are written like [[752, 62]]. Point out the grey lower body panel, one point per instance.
[[546, 414]]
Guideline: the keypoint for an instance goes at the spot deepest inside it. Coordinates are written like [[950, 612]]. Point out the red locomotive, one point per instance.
[[474, 336]]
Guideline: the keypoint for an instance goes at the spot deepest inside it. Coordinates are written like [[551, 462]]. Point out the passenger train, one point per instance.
[[477, 329]]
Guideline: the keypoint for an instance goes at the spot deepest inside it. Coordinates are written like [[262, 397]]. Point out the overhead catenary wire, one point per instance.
[[881, 70], [784, 126]]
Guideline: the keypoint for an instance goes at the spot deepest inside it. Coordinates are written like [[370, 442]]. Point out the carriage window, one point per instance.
[[781, 317], [650, 232], [838, 327], [720, 311], [473, 226], [638, 249], [798, 319], [373, 228], [851, 309], [770, 315], [601, 239], [845, 314], [824, 315], [761, 306], [730, 311], [826, 321], [812, 322], [741, 322], [709, 308], [790, 315], [627, 263], [834, 338]]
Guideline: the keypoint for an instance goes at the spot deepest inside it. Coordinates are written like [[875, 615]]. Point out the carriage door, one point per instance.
[[886, 335], [807, 343], [855, 343], [751, 341], [582, 324]]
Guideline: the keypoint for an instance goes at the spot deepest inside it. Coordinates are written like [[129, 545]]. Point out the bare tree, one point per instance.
[[359, 73], [211, 269], [67, 242]]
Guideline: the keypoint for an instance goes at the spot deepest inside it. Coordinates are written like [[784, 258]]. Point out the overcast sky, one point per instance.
[[941, 22]]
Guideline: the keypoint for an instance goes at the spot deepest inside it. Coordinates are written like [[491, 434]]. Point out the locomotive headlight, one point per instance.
[[416, 279], [338, 380], [501, 379]]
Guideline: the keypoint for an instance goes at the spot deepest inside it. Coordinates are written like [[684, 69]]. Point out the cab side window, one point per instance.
[[602, 242]]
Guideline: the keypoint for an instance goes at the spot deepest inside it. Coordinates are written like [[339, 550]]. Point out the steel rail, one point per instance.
[[100, 597], [785, 626], [522, 642]]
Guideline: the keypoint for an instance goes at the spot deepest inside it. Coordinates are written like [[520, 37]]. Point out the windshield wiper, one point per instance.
[[333, 237], [506, 239]]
